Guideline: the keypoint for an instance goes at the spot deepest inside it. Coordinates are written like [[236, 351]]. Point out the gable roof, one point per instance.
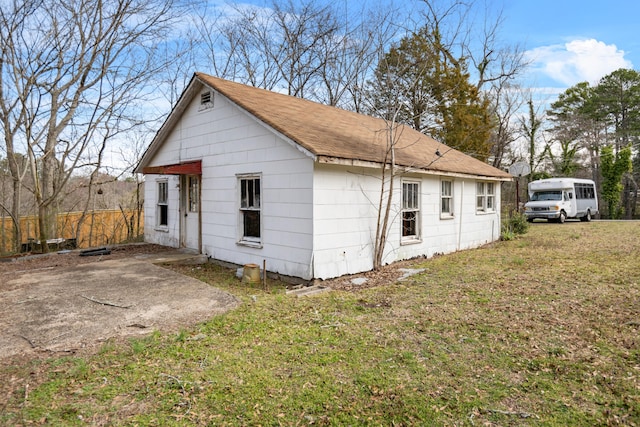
[[331, 134]]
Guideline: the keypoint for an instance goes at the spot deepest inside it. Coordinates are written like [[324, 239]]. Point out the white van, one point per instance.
[[556, 199]]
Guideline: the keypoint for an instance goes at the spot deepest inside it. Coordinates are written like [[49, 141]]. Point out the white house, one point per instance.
[[245, 175]]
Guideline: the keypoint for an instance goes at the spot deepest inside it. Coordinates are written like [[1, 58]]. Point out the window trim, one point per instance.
[[252, 241], [162, 203], [417, 209], [485, 199], [450, 213]]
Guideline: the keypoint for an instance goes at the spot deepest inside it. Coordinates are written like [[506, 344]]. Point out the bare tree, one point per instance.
[[507, 102], [309, 49], [12, 115], [472, 29], [75, 77]]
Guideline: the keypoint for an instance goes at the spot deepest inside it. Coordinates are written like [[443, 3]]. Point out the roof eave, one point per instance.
[[406, 169]]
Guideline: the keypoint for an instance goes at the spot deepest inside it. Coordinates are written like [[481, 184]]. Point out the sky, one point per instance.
[[571, 41], [567, 41]]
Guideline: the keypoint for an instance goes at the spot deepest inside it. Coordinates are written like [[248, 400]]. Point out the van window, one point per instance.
[[546, 195]]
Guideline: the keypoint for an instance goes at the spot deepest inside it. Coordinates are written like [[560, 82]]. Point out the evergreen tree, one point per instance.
[[614, 166], [431, 91]]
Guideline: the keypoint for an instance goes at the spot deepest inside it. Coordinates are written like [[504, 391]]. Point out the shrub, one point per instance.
[[515, 225]]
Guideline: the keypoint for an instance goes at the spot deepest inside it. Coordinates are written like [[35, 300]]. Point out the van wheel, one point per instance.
[[586, 217], [562, 218]]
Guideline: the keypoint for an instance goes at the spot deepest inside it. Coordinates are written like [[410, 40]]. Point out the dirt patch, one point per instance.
[[66, 303], [386, 275], [31, 262]]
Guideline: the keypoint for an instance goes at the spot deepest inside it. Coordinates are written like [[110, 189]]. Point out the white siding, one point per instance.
[[230, 142], [169, 235], [318, 220], [345, 219]]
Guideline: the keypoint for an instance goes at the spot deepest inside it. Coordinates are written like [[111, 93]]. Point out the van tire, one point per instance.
[[586, 217], [562, 217]]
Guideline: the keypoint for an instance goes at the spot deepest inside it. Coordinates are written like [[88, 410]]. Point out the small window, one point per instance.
[[485, 197], [194, 194], [446, 198], [410, 211], [491, 197], [163, 205], [250, 209]]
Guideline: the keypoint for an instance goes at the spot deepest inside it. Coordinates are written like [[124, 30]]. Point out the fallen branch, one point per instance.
[[112, 304], [64, 350], [137, 325], [28, 340]]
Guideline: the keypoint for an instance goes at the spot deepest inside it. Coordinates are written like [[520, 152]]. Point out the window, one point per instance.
[[585, 191], [194, 193], [163, 206], [410, 211], [446, 198], [485, 197], [250, 208], [491, 196]]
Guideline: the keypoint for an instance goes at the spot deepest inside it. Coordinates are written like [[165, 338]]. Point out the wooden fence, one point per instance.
[[97, 228]]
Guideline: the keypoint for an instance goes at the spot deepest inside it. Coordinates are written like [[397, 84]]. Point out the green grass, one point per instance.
[[541, 330]]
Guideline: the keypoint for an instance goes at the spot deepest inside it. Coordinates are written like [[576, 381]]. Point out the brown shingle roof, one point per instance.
[[331, 132]]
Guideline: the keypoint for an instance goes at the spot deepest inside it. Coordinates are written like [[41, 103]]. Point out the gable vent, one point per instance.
[[206, 99]]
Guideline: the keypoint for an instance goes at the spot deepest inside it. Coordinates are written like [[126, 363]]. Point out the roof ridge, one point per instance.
[[335, 133]]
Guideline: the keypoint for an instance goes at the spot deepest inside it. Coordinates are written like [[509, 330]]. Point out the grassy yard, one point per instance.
[[543, 330]]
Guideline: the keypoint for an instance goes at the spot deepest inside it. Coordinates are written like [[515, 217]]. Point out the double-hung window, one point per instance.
[[446, 198], [485, 197], [250, 209], [410, 211], [163, 205]]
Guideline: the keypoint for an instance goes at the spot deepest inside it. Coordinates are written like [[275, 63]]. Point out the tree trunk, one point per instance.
[[15, 215]]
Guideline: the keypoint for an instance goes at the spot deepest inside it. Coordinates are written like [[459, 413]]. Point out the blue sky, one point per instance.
[[570, 41], [567, 41]]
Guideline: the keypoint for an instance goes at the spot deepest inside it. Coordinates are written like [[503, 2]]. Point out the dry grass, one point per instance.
[[543, 330]]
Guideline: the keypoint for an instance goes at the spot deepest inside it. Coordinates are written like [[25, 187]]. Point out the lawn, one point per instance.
[[542, 330]]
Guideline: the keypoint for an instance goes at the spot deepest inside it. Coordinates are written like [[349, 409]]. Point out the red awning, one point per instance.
[[187, 168]]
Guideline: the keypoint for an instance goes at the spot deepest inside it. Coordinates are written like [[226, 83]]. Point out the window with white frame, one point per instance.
[[250, 208], [163, 204], [410, 210], [485, 197], [446, 198]]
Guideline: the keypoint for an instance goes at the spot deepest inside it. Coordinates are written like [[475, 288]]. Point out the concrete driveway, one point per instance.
[[70, 308]]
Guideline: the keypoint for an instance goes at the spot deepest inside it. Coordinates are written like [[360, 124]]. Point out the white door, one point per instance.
[[190, 209]]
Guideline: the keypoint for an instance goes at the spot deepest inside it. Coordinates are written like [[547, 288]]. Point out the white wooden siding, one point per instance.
[[345, 219], [169, 235], [230, 142], [318, 220]]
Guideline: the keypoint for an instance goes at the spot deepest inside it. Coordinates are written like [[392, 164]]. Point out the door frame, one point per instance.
[[185, 193]]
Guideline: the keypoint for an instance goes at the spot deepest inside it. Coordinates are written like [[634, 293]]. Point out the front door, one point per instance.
[[190, 210]]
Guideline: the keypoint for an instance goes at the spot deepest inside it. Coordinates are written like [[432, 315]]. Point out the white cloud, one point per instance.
[[578, 61]]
